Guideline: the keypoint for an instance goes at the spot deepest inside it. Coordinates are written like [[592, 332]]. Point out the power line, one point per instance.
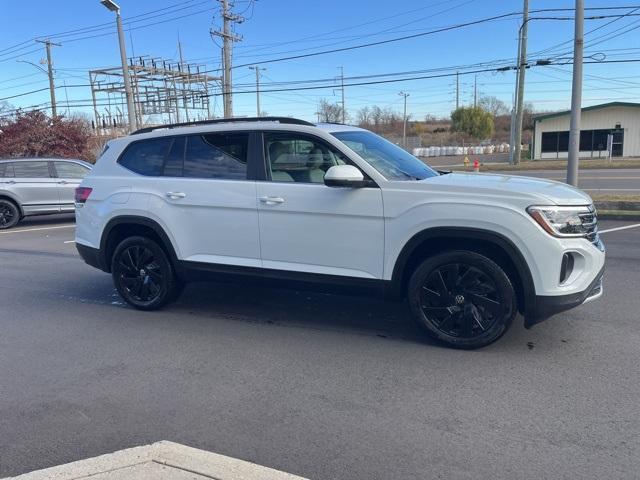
[[418, 35], [101, 25]]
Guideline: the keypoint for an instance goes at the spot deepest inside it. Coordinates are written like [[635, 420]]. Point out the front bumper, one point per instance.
[[544, 307]]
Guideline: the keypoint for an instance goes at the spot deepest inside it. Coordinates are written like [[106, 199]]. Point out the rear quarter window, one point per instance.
[[6, 170], [146, 157]]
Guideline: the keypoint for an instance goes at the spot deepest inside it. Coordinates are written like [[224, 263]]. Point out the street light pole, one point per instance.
[[257, 69], [576, 96], [112, 6], [404, 120]]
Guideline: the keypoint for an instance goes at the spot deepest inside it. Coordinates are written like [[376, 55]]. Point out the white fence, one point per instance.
[[448, 151]]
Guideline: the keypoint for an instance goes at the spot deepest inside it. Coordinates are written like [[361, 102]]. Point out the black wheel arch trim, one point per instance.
[[467, 233], [103, 261], [547, 306], [14, 200]]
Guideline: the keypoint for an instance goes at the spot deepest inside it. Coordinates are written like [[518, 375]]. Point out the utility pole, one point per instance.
[[576, 96], [66, 96], [112, 6], [457, 90], [522, 61], [404, 117], [257, 69], [344, 114], [475, 92], [184, 98], [52, 87], [227, 45]]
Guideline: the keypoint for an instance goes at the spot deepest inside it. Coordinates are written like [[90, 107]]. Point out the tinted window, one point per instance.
[[6, 170], [175, 159], [70, 170], [220, 155], [563, 141], [146, 157], [549, 142], [600, 139], [31, 169], [586, 140], [292, 157]]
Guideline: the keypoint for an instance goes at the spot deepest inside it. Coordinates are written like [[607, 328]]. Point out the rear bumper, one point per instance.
[[91, 256], [546, 306]]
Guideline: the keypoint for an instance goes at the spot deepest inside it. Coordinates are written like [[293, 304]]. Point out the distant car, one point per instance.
[[38, 186]]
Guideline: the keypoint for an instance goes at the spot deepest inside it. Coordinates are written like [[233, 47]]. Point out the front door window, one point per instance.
[[299, 158]]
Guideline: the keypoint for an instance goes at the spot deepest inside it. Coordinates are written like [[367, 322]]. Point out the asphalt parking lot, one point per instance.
[[317, 385]]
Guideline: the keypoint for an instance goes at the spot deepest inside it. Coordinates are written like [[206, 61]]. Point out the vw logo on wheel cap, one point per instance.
[[459, 299]]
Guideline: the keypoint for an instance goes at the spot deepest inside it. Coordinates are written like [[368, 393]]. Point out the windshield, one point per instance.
[[390, 160]]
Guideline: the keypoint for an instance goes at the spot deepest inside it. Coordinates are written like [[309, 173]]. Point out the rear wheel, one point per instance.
[[462, 299], [143, 274], [9, 214]]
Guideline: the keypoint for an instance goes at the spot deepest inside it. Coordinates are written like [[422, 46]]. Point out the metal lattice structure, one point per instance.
[[163, 91]]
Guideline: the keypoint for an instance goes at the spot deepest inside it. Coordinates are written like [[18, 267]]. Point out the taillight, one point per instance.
[[82, 194]]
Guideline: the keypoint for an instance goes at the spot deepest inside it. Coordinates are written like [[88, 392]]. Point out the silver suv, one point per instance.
[[38, 186]]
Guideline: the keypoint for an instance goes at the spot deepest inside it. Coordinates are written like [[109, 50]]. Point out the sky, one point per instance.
[[273, 29]]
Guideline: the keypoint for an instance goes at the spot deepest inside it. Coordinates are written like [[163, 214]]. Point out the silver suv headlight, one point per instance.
[[566, 221]]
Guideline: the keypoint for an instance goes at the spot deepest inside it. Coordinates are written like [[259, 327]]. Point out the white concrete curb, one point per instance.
[[159, 461]]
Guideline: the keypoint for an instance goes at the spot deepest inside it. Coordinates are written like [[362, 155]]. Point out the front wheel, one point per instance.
[[143, 274], [463, 299], [9, 214]]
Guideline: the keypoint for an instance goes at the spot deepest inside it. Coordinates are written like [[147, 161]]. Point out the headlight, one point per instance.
[[565, 221]]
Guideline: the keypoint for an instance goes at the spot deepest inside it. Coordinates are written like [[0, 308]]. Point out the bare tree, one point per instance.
[[494, 106], [363, 117], [6, 111], [330, 112]]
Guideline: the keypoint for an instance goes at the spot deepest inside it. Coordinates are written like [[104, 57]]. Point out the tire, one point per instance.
[[462, 299], [9, 214], [143, 274]]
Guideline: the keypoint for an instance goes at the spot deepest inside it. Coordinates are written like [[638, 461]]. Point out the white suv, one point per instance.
[[335, 206]]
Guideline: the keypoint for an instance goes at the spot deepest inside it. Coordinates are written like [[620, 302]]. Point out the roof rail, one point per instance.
[[287, 120]]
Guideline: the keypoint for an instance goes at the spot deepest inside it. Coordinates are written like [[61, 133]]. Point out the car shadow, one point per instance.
[[203, 303], [300, 309], [46, 220]]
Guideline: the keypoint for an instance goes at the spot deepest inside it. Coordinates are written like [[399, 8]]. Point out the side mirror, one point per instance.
[[344, 176]]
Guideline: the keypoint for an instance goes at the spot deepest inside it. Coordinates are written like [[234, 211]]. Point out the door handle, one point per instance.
[[175, 195], [63, 182], [272, 200], [11, 182]]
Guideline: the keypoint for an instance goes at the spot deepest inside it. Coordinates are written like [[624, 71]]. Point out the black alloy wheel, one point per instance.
[[464, 299], [143, 274], [9, 214]]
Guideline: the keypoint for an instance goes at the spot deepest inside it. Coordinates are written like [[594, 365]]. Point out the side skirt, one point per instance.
[[336, 284]]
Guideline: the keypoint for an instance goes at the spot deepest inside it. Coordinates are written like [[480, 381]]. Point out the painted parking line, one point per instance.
[[611, 189], [70, 241], [36, 229], [587, 177], [637, 225]]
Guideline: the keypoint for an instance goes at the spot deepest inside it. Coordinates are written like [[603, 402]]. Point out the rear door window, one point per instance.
[[31, 170], [70, 170], [217, 156], [175, 159], [146, 157]]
